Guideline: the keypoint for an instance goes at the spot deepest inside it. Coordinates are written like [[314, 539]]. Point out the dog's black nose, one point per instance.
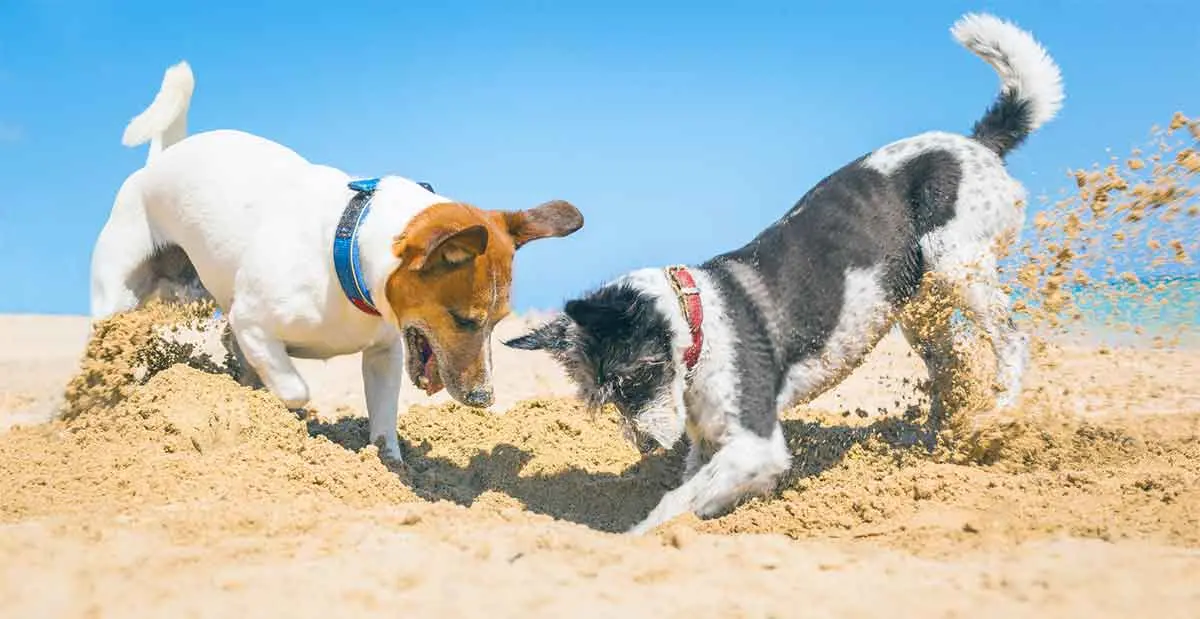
[[481, 398]]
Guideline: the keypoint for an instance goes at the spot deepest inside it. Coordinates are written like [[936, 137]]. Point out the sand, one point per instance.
[[139, 479], [192, 495]]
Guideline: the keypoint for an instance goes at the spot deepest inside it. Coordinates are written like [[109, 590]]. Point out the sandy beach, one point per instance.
[[193, 497], [139, 479]]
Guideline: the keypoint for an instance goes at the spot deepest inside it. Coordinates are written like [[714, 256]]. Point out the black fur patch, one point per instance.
[[616, 347], [1005, 125], [854, 218]]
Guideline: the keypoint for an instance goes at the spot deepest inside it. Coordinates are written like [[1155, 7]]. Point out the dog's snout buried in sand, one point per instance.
[[307, 263], [717, 350]]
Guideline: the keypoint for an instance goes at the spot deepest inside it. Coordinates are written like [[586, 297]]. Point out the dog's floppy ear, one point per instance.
[[593, 316], [446, 248], [550, 336], [554, 218]]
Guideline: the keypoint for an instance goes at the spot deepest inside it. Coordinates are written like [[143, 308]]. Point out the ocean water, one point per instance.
[[1167, 302], [1122, 312]]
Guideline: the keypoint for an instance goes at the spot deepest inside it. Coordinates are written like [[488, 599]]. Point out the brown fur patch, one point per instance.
[[455, 278]]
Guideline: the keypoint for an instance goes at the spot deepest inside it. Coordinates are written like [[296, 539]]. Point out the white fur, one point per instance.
[[1025, 68], [257, 221], [654, 282], [164, 121], [745, 465], [712, 394]]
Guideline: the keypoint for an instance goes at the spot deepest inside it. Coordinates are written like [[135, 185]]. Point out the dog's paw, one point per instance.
[[389, 451], [640, 529], [391, 455], [646, 526]]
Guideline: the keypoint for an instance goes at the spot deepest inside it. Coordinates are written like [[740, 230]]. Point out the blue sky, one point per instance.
[[680, 129]]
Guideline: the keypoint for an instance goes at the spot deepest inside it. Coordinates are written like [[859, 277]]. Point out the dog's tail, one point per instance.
[[1031, 90], [164, 122]]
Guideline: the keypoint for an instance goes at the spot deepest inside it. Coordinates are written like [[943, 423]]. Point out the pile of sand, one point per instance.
[[1008, 483], [127, 350], [150, 423], [185, 434]]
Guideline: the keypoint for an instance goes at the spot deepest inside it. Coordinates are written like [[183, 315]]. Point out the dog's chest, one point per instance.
[[320, 326], [331, 342], [710, 399]]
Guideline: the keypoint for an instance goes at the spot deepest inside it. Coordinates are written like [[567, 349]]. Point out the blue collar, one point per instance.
[[346, 261]]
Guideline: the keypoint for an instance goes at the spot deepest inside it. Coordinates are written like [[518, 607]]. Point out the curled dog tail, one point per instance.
[[1031, 90], [164, 121]]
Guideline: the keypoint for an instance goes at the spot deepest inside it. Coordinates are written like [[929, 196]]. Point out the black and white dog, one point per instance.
[[721, 348]]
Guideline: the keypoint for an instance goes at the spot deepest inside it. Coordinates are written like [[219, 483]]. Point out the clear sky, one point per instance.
[[680, 129]]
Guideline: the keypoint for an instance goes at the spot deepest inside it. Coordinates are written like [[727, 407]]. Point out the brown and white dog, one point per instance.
[[306, 263]]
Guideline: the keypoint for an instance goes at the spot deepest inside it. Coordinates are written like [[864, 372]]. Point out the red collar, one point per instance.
[[693, 311]]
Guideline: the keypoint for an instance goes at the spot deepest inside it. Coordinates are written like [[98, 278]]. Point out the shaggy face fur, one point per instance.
[[615, 345]]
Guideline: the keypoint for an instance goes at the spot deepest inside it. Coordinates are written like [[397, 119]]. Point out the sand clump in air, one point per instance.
[[1134, 214], [166, 479]]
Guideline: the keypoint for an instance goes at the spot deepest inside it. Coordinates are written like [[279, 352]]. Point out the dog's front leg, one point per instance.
[[381, 369], [245, 374], [746, 464], [700, 451], [268, 357], [691, 463]]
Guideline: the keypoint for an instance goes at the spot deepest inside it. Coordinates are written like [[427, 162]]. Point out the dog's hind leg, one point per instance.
[[173, 277], [246, 376], [269, 358], [120, 271], [991, 311], [927, 323], [745, 465]]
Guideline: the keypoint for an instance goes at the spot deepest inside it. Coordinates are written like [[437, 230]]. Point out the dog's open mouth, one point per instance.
[[422, 362]]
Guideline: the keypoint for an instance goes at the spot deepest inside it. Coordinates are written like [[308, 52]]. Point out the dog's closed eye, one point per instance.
[[464, 323]]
